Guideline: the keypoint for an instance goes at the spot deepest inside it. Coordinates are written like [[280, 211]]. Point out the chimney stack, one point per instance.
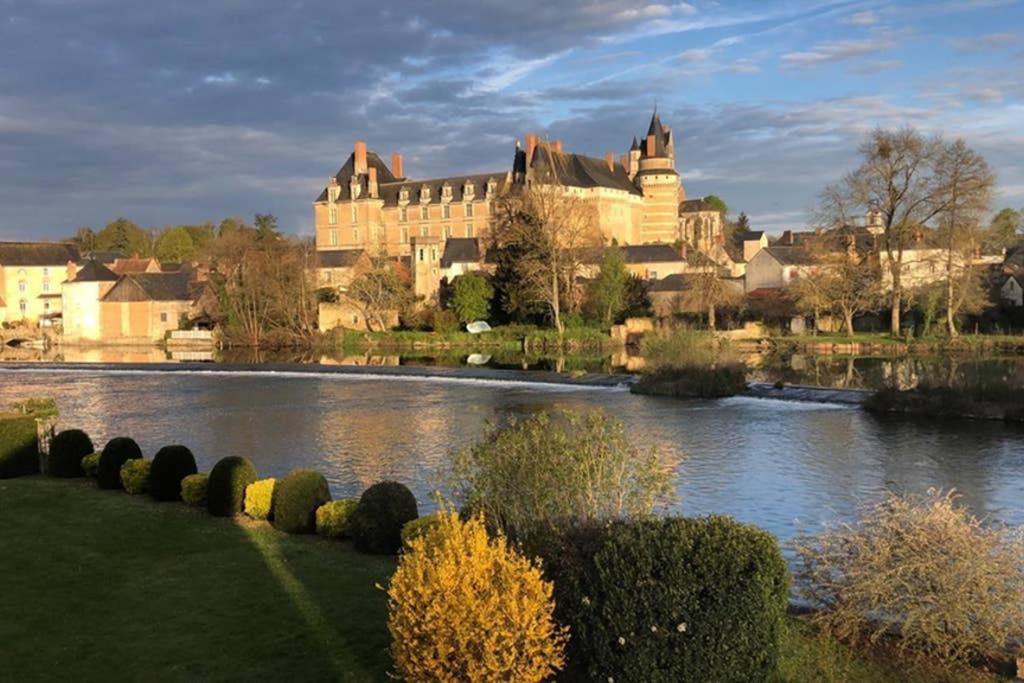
[[624, 160], [610, 160], [396, 165], [360, 154], [373, 182], [558, 146], [650, 145], [682, 250], [531, 144]]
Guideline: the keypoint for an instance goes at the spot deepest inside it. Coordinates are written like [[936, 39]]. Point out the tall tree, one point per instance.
[[708, 291], [266, 226], [718, 203], [123, 236], [896, 179], [606, 295], [966, 185], [842, 278], [379, 292], [1006, 228], [743, 222], [85, 238], [175, 244], [471, 296]]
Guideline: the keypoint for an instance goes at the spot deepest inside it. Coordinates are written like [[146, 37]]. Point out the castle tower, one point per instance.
[[657, 178]]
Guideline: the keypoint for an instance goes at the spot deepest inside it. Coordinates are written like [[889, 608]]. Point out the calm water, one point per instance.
[[783, 466]]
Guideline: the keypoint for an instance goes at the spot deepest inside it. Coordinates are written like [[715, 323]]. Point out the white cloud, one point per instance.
[[695, 55], [225, 78], [868, 18], [837, 51]]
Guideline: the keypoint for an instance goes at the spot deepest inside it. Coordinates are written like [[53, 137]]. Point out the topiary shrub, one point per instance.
[[19, 446], [415, 528], [672, 599], [135, 476], [193, 489], [465, 607], [333, 519], [296, 499], [66, 452], [116, 453], [383, 510], [225, 492], [90, 465], [171, 464], [259, 498]]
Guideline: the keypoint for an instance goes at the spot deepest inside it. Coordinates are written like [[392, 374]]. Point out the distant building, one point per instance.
[[143, 307], [31, 274], [80, 297], [1012, 291], [776, 267]]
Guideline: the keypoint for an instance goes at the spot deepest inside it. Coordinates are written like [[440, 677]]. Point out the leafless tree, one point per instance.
[[842, 278], [379, 292]]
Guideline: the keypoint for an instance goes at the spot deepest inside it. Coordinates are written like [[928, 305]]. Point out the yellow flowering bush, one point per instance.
[[467, 607], [259, 497]]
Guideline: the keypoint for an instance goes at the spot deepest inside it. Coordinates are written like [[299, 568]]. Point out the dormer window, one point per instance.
[[356, 187], [403, 195], [468, 190], [492, 186], [424, 194], [446, 192]]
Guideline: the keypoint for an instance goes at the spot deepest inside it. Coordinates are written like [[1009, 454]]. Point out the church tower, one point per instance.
[[657, 178]]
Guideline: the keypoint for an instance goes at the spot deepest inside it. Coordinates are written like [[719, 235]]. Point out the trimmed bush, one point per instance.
[[296, 499], [225, 492], [193, 489], [19, 446], [383, 510], [116, 453], [135, 476], [415, 528], [466, 607], [259, 498], [171, 464], [333, 519], [672, 599], [91, 464], [66, 452]]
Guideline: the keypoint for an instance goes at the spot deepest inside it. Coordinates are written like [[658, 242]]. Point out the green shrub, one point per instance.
[[377, 521], [193, 489], [225, 493], [135, 475], [116, 453], [333, 519], [694, 381], [19, 446], [672, 599], [415, 528], [259, 498], [171, 464], [296, 499], [91, 464], [66, 452]]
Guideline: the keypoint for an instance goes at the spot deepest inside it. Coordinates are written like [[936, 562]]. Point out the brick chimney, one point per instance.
[[373, 182], [558, 146], [650, 145], [609, 159], [396, 165], [531, 144], [360, 154], [682, 250], [624, 160], [72, 270]]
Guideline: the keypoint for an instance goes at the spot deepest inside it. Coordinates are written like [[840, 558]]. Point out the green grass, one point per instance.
[[100, 586]]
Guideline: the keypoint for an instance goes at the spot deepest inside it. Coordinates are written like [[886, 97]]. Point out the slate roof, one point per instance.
[[661, 137], [651, 253], [391, 193], [790, 256], [338, 258], [460, 250], [37, 253], [124, 266], [677, 282], [694, 205], [152, 287], [749, 236], [577, 170], [104, 257], [94, 271]]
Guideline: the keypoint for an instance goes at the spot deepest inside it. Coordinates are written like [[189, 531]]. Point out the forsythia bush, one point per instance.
[[259, 496], [333, 519], [466, 607], [91, 465], [418, 527], [135, 475], [193, 489]]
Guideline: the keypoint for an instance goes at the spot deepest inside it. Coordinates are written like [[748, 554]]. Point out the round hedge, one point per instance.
[[675, 599], [334, 519], [383, 510], [135, 476], [66, 452], [171, 464], [225, 490], [296, 499], [116, 453], [19, 446], [193, 489]]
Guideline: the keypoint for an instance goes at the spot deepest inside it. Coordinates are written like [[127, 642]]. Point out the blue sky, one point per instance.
[[193, 111]]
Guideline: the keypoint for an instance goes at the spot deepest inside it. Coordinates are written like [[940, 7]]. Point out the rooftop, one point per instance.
[[37, 253]]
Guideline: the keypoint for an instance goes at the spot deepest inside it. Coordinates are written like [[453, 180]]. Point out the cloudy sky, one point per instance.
[[187, 111]]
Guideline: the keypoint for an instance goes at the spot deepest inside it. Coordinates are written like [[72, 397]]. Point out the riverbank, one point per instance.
[[158, 591], [862, 344]]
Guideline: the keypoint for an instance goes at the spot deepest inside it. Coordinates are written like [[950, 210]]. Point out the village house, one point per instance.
[[141, 308], [1012, 291], [31, 274], [81, 296]]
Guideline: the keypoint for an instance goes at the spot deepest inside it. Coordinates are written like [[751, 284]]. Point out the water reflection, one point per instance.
[[779, 465]]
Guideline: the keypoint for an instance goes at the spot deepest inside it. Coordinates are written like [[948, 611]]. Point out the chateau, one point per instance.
[[639, 198]]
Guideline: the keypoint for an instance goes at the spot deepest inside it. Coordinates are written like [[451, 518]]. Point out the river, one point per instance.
[[786, 467]]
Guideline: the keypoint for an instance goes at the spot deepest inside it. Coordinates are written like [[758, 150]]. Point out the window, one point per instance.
[[334, 238], [652, 275], [328, 276], [163, 317], [469, 210], [469, 229], [355, 319], [421, 253], [46, 306], [355, 234], [403, 214], [46, 285], [424, 231], [468, 191], [46, 272], [424, 213], [405, 235], [446, 211], [332, 216], [446, 192], [23, 306], [447, 232], [404, 194], [355, 214], [22, 286]]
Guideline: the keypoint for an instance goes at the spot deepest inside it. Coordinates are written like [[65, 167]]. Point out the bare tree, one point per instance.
[[842, 278], [708, 292], [965, 192], [897, 181], [553, 230], [379, 292]]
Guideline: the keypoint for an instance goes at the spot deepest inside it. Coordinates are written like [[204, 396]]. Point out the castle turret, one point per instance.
[[657, 179]]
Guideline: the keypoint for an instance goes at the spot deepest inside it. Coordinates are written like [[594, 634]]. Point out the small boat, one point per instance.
[[478, 327]]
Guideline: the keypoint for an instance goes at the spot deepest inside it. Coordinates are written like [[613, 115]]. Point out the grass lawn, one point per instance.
[[99, 585]]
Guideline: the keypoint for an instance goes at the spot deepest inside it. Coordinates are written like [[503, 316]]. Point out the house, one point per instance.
[[776, 267], [461, 255], [671, 294], [31, 274], [1012, 291], [749, 243], [125, 266], [338, 267], [143, 307], [655, 261], [80, 298]]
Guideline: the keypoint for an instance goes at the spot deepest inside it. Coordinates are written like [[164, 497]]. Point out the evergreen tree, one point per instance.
[[471, 297], [606, 298], [123, 236]]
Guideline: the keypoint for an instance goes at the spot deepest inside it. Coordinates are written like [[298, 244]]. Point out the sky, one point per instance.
[[185, 111]]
